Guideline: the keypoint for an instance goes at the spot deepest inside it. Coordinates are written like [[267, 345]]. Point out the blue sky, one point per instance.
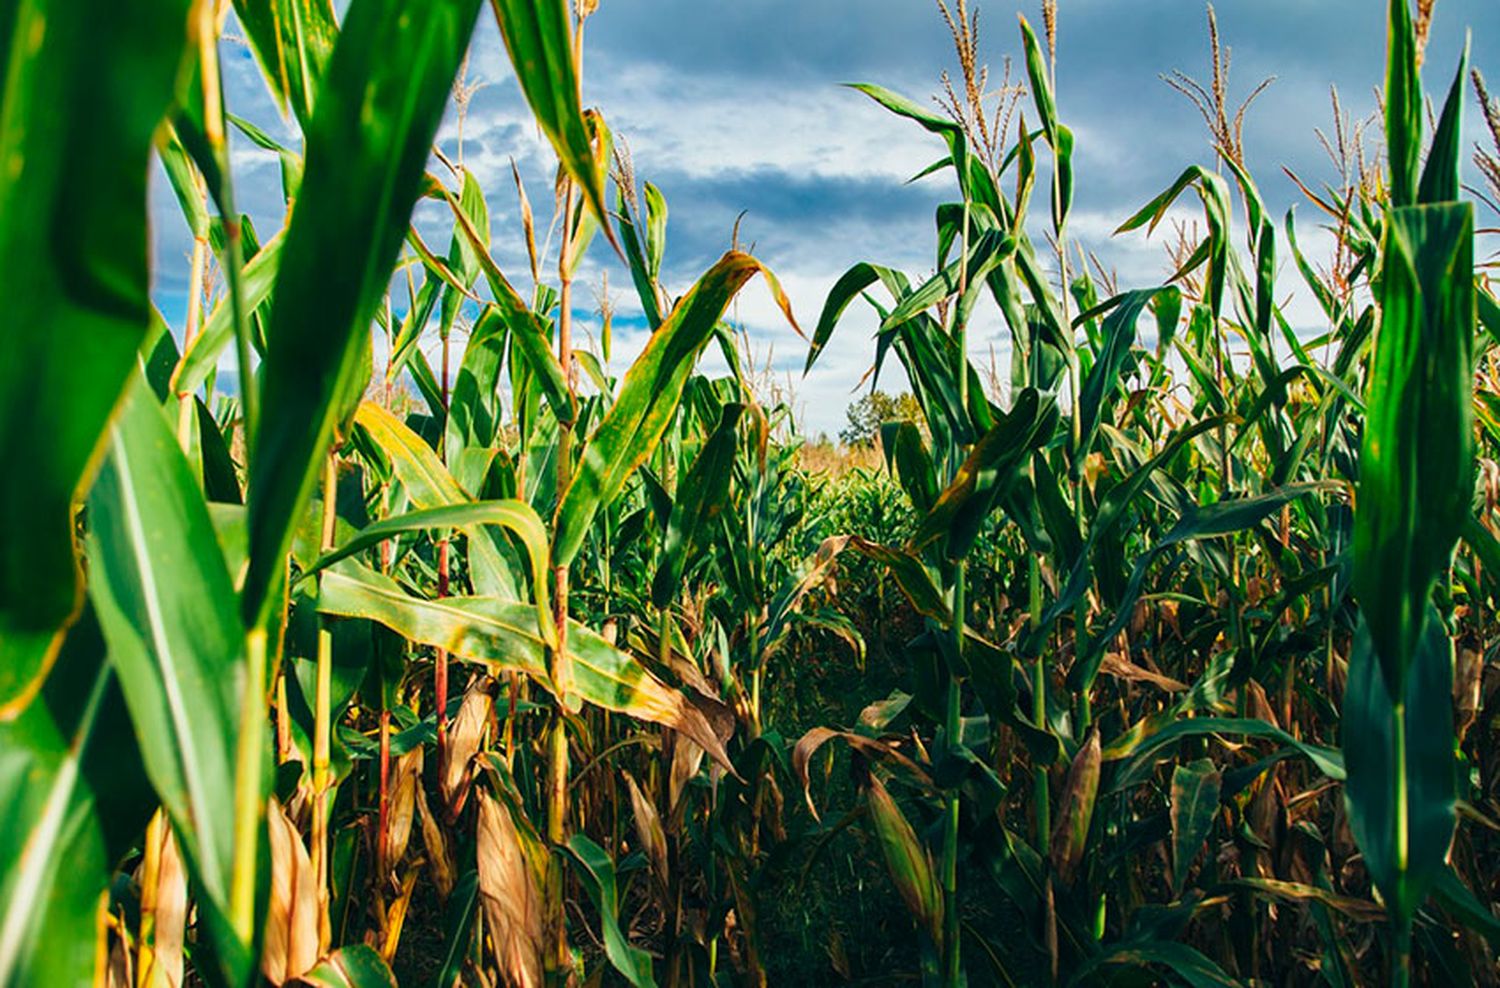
[[738, 107]]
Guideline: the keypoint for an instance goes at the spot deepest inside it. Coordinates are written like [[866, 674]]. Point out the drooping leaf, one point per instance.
[[516, 516], [649, 397], [503, 635], [430, 486]]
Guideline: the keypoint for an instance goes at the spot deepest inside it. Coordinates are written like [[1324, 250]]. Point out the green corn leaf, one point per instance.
[[472, 429], [935, 123], [1403, 104], [292, 40], [186, 184], [1041, 85], [504, 636], [1143, 749], [1440, 174], [960, 511], [1195, 802], [76, 124], [649, 396], [988, 251], [539, 37], [849, 286], [906, 457], [76, 798], [1417, 463], [378, 110], [1119, 332], [354, 966], [695, 510], [1400, 792], [528, 331], [430, 486], [158, 583], [516, 516], [257, 279], [597, 872], [646, 288], [656, 230], [1187, 963]]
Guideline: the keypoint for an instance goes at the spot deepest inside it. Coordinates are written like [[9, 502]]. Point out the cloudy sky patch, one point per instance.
[[739, 108]]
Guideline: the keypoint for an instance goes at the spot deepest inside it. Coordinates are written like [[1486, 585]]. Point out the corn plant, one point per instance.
[[438, 651], [1251, 481]]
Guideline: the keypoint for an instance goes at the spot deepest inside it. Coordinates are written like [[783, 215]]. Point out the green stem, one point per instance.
[[953, 727], [1041, 797], [1401, 913], [247, 786]]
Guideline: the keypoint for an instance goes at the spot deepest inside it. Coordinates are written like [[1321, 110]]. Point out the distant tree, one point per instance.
[[873, 410]]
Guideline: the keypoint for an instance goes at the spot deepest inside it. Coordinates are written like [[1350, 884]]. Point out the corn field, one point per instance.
[[1166, 659]]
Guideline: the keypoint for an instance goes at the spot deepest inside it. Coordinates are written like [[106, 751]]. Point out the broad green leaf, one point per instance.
[[906, 457], [648, 398], [1188, 964], [695, 510], [1143, 749], [158, 583], [1119, 331], [1403, 104], [77, 119], [257, 279], [1195, 802], [849, 286], [1400, 792], [76, 799], [354, 966], [517, 516], [968, 272], [504, 636], [292, 40], [1440, 173], [960, 511], [935, 123], [378, 110], [472, 427], [1416, 471], [539, 37], [430, 486], [598, 874]]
